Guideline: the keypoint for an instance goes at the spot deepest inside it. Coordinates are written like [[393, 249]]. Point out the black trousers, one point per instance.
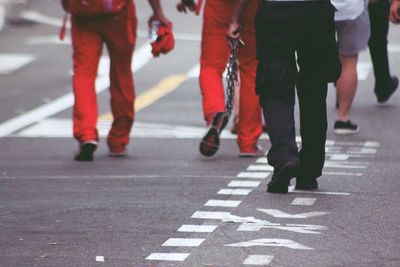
[[284, 29], [378, 15]]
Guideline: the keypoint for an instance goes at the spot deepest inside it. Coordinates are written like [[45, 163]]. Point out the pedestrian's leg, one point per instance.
[[249, 127], [214, 55], [87, 47], [121, 85], [346, 86]]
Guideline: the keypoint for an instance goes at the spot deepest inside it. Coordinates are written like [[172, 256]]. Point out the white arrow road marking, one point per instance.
[[270, 242], [280, 214], [296, 228], [262, 260], [13, 62]]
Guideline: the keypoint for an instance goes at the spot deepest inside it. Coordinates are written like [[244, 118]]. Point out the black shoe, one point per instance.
[[306, 184], [86, 152], [281, 179], [345, 127], [210, 142], [385, 93]]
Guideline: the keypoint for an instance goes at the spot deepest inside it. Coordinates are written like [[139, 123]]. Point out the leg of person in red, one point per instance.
[[214, 55]]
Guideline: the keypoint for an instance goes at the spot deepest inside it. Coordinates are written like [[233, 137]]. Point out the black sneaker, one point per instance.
[[384, 94], [86, 152], [306, 184], [210, 143], [281, 179], [345, 127]]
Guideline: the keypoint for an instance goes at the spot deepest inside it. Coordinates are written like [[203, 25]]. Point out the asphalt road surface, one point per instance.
[[164, 204]]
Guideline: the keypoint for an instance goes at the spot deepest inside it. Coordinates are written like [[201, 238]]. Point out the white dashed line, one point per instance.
[[197, 228], [292, 190], [302, 201], [223, 203], [260, 168], [100, 259], [238, 192], [168, 256], [259, 260], [183, 242], [343, 173], [243, 184], [254, 175], [262, 160]]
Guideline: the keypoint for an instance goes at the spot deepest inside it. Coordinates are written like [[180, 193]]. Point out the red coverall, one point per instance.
[[88, 36], [214, 55]]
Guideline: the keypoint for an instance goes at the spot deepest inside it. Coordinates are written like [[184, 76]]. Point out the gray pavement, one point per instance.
[[164, 204]]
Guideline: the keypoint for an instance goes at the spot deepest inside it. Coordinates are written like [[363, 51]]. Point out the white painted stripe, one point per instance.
[[364, 150], [339, 157], [281, 214], [2, 17], [262, 160], [194, 72], [371, 144], [270, 242], [255, 175], [295, 191], [183, 242], [243, 184], [13, 62], [343, 173], [303, 201], [100, 258], [260, 168], [259, 260], [239, 192], [343, 165], [197, 228], [211, 215], [222, 203], [38, 17], [168, 256], [141, 57], [393, 48]]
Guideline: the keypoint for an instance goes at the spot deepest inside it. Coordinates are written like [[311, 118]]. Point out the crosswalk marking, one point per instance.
[[222, 203], [262, 260], [168, 256], [183, 242], [197, 228]]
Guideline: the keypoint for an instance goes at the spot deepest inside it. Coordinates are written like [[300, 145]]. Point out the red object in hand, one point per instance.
[[165, 41]]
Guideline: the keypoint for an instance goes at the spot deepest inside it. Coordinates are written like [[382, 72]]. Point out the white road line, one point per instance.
[[238, 192], [13, 62], [303, 201], [222, 203], [295, 191], [211, 215], [363, 150], [168, 256], [363, 69], [262, 160], [339, 157], [236, 183], [260, 168], [197, 228], [343, 165], [343, 173], [270, 242], [259, 260], [100, 258], [281, 214], [141, 57], [183, 242], [254, 175]]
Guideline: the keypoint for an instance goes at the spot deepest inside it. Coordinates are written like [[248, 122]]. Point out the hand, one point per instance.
[[186, 5], [161, 18], [233, 30], [394, 14]]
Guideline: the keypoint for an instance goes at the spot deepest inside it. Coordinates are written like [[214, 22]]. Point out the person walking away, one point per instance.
[[353, 31], [284, 29], [118, 32]]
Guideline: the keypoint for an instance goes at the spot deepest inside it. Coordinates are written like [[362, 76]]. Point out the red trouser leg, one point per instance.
[[121, 82], [214, 54], [249, 127], [87, 47]]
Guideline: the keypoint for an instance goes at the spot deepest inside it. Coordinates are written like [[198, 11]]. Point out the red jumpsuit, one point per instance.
[[214, 55], [118, 33]]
